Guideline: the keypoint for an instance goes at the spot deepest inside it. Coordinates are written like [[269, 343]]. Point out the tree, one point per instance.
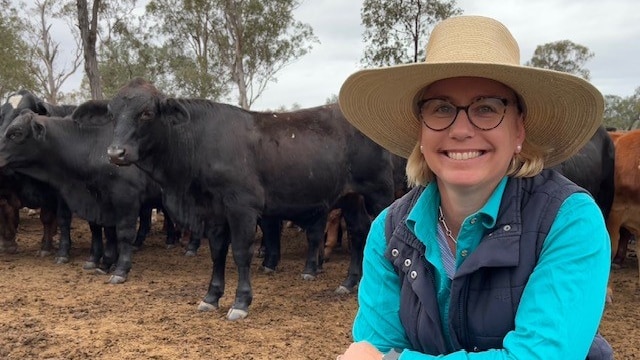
[[213, 46], [48, 71], [622, 113], [563, 55], [15, 64], [127, 49], [88, 34], [260, 38], [396, 31]]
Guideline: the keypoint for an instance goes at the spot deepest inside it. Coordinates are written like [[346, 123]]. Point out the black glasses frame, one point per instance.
[[504, 101]]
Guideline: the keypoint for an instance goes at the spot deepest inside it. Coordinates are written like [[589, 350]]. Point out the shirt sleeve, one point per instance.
[[560, 309]]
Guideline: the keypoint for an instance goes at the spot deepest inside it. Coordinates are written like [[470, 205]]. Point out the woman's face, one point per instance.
[[463, 155]]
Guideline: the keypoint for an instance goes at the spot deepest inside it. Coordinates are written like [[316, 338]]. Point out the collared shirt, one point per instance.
[[562, 303]]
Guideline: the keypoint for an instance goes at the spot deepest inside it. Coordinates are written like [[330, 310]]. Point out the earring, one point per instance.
[[421, 147], [518, 149]]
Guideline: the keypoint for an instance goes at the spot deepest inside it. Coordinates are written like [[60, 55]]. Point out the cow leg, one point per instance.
[[193, 244], [144, 227], [126, 231], [271, 232], [219, 241], [242, 228], [9, 219], [623, 243], [358, 224], [111, 251], [333, 232], [97, 248], [63, 221], [171, 232], [49, 229], [315, 242]]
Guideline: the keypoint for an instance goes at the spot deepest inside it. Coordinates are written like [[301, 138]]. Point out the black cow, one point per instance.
[[72, 159], [223, 168], [18, 190], [592, 168]]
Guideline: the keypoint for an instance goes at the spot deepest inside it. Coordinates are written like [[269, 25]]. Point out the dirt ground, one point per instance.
[[50, 311]]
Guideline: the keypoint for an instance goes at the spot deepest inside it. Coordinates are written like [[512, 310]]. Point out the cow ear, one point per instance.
[[38, 129], [174, 111], [92, 113]]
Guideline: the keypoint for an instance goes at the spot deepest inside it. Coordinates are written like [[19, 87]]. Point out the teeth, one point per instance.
[[463, 155]]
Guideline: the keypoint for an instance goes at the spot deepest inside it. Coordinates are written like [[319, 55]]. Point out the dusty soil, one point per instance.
[[50, 311]]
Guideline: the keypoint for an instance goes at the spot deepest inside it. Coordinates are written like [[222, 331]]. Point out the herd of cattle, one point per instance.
[[219, 171]]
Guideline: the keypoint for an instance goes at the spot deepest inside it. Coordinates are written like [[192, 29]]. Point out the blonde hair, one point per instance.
[[527, 163]]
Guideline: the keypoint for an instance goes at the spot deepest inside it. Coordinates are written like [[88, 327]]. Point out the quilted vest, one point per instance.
[[487, 287]]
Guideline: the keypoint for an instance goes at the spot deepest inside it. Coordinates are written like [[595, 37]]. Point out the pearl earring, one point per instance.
[[518, 148], [421, 147]]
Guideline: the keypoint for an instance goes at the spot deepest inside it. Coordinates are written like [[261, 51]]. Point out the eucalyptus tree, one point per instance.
[[623, 112], [214, 47], [53, 62], [396, 31], [15, 63], [563, 55]]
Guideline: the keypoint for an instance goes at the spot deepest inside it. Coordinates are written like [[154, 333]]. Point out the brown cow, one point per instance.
[[626, 202]]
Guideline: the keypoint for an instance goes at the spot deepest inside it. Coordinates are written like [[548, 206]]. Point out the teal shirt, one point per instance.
[[562, 303]]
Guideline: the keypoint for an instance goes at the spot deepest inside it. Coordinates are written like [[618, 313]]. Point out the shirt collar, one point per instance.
[[425, 213]]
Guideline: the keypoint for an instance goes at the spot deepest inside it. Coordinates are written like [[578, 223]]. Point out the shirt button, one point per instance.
[[464, 253], [394, 252], [506, 228], [407, 262], [473, 221], [414, 274]]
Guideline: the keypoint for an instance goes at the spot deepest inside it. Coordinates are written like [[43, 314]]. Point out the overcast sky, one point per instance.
[[610, 29]]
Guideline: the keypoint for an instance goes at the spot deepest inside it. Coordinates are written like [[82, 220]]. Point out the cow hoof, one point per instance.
[[44, 253], [268, 271], [170, 246], [343, 290], [100, 271], [236, 314], [308, 277], [203, 306], [116, 279], [90, 265], [62, 259], [190, 253]]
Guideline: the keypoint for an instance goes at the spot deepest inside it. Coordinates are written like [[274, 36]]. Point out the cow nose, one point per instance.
[[115, 152]]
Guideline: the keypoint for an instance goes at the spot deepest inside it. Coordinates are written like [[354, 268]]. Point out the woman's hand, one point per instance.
[[361, 351]]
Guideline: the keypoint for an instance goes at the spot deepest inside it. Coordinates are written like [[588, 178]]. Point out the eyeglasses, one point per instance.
[[485, 113]]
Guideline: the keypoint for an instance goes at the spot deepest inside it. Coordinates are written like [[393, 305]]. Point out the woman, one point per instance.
[[488, 256]]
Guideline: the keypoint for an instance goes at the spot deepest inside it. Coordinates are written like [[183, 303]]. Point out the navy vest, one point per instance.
[[486, 289]]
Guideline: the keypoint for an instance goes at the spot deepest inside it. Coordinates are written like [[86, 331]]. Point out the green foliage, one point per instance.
[[211, 47], [563, 55], [622, 113], [16, 62], [396, 31]]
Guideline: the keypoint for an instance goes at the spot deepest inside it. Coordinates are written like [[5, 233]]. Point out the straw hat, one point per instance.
[[562, 111]]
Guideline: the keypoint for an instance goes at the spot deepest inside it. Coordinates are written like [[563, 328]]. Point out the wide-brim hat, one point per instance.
[[562, 111]]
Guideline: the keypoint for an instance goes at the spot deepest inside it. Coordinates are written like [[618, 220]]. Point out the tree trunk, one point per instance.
[[88, 33]]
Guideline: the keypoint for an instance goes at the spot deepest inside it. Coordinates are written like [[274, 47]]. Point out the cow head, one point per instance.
[[17, 143], [141, 114]]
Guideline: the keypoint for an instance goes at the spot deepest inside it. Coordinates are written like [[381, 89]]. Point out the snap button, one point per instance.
[[395, 252], [464, 253], [506, 228], [414, 274], [473, 221], [407, 262]]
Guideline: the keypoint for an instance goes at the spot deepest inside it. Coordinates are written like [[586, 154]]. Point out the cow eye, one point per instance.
[[14, 135], [146, 115]]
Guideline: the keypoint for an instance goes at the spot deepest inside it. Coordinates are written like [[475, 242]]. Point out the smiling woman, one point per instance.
[[471, 259]]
